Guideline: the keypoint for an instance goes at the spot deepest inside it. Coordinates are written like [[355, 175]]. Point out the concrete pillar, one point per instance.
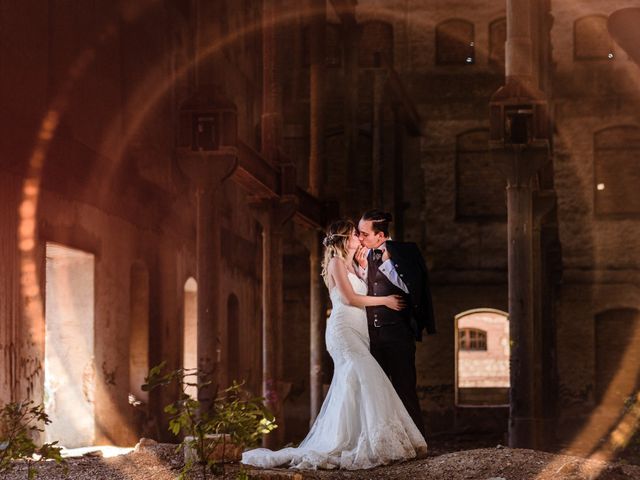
[[316, 107], [311, 239], [316, 180], [272, 214], [518, 52], [316, 314], [544, 203], [271, 82], [519, 227], [207, 172], [351, 72], [523, 161], [519, 132], [379, 79], [208, 278]]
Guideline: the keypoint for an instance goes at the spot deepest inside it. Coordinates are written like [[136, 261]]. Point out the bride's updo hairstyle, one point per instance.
[[336, 243]]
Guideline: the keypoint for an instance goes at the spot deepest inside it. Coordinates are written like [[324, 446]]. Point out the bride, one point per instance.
[[362, 422]]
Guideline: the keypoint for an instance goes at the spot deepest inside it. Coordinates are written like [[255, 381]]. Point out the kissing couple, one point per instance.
[[381, 303]]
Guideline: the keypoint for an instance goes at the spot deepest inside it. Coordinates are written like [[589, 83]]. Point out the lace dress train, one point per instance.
[[362, 422]]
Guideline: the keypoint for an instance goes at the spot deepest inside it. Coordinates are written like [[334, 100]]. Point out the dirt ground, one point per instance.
[[160, 462]]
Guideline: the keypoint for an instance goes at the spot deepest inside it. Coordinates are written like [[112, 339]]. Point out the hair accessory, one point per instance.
[[331, 239]]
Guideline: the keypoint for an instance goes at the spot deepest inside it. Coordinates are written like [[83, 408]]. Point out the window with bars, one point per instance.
[[472, 339]]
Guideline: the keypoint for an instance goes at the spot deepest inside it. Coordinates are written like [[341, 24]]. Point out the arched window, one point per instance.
[[472, 339], [617, 170], [591, 39], [455, 44], [497, 39], [482, 357], [233, 339], [617, 356], [376, 44], [190, 331], [480, 182]]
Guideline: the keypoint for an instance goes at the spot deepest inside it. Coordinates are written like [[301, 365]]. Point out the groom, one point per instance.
[[395, 268]]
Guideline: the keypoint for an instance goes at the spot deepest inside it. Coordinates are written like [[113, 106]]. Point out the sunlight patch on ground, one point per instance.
[[107, 451]]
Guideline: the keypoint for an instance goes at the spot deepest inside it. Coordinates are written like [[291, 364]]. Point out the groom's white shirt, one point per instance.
[[388, 269]]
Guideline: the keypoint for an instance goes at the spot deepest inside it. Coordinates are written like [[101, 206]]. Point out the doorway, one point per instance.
[[69, 370]]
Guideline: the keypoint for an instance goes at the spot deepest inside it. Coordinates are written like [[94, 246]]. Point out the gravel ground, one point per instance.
[[161, 463]]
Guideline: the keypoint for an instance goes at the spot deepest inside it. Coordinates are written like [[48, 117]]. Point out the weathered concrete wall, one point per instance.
[[110, 187]]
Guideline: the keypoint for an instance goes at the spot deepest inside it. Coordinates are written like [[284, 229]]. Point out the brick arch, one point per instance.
[[376, 43], [455, 42], [616, 154], [591, 39]]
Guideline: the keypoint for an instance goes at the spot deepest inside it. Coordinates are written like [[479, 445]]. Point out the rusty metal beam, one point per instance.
[[261, 179]]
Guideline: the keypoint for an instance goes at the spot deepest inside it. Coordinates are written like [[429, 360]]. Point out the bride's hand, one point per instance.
[[395, 302], [361, 256]]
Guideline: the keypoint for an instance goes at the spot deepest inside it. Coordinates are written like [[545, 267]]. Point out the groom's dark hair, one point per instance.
[[380, 220]]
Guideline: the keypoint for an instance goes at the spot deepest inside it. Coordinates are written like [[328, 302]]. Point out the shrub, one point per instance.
[[20, 424], [234, 412]]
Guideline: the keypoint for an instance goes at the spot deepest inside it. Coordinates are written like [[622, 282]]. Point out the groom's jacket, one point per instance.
[[411, 268]]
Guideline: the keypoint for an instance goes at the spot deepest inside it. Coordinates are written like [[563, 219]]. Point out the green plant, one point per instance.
[[233, 413], [20, 422]]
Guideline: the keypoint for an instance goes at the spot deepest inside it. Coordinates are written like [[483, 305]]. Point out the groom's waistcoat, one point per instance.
[[379, 285]]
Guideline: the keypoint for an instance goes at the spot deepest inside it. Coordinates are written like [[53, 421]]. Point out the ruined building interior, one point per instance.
[[167, 169]]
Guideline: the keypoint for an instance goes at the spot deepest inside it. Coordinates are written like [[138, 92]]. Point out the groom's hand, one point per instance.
[[361, 256]]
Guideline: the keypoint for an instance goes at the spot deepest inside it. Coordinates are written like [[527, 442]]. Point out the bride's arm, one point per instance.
[[338, 272]]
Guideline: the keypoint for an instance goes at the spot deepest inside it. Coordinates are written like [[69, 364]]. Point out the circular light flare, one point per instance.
[[31, 185]]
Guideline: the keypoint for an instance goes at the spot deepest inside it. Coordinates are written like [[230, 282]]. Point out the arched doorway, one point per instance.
[[190, 331], [482, 357], [233, 340]]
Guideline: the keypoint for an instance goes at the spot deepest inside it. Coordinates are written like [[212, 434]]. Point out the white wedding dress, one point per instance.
[[362, 422]]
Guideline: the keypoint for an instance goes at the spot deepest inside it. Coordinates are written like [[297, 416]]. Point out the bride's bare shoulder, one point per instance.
[[335, 264]]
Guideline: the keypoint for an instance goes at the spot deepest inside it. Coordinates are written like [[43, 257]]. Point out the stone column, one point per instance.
[[272, 214], [271, 82], [519, 227], [518, 51], [316, 180], [379, 81], [522, 161], [316, 107], [311, 239], [351, 73], [544, 203], [519, 133], [207, 171]]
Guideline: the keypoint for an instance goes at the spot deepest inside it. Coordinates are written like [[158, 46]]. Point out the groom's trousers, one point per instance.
[[395, 351]]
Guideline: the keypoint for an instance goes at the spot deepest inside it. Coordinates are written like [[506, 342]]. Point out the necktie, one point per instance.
[[377, 257]]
